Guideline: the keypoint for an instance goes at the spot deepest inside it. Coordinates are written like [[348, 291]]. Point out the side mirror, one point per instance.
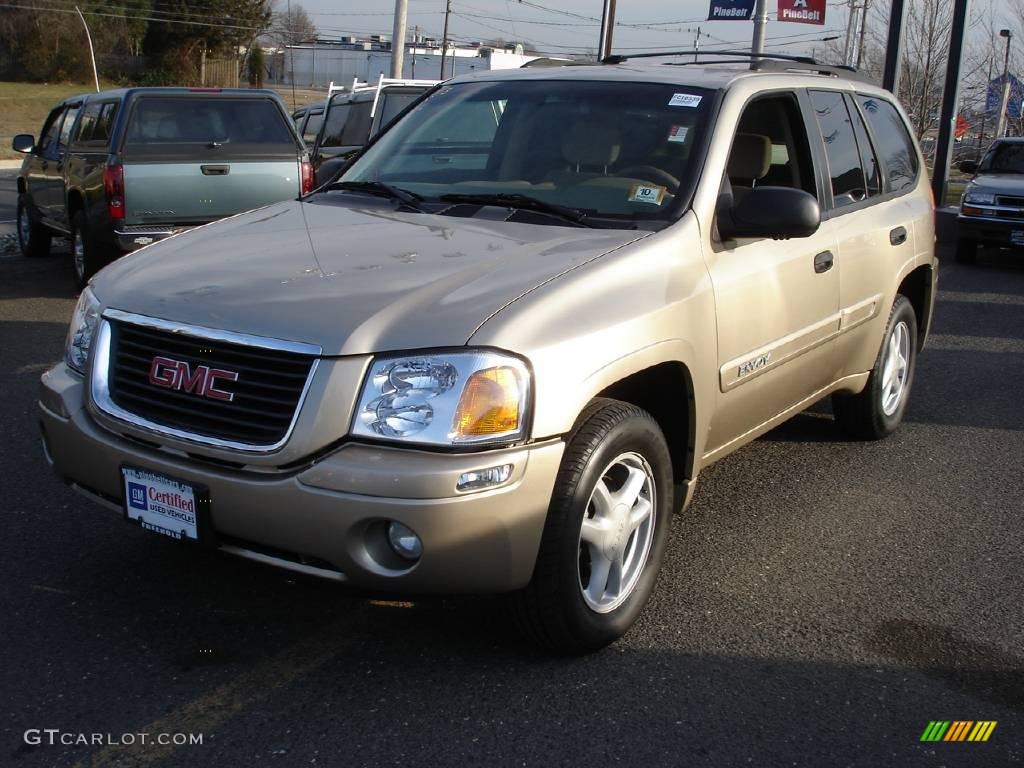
[[969, 167], [23, 143], [776, 212]]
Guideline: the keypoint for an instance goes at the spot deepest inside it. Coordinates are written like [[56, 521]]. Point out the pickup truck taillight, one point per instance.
[[307, 177], [113, 188]]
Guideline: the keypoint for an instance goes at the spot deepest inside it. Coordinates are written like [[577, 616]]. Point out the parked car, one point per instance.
[[308, 120], [353, 116], [117, 170], [992, 205], [496, 353]]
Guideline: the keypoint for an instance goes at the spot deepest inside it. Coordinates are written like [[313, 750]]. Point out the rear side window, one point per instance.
[[95, 126], [393, 103], [844, 160], [337, 116], [309, 133], [868, 159], [181, 127], [895, 147], [357, 127]]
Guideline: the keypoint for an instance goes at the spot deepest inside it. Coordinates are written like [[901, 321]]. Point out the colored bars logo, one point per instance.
[[958, 730]]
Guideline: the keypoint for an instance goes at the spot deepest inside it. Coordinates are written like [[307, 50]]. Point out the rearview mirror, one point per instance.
[[23, 143], [969, 166], [776, 212]]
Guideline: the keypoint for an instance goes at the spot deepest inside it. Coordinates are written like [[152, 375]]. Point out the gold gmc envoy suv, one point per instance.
[[494, 354]]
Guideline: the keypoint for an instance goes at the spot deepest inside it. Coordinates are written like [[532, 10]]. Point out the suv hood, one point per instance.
[[999, 183], [355, 280]]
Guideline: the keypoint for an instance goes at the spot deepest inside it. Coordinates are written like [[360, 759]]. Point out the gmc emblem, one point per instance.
[[178, 375]]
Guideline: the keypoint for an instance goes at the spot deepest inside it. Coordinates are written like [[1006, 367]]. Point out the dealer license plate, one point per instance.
[[161, 504]]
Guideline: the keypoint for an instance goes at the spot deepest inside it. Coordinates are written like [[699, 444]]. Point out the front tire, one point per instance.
[[605, 533], [34, 238], [878, 409]]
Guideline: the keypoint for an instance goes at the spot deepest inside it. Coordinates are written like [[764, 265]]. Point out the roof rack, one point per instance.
[[777, 62], [358, 87]]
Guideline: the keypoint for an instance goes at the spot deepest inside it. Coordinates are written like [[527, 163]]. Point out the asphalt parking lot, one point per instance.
[[821, 602]]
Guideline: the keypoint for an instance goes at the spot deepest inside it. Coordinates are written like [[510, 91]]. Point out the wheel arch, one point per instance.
[[658, 389], [919, 286]]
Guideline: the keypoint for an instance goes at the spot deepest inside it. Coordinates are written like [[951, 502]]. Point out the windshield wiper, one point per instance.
[[381, 189], [523, 202]]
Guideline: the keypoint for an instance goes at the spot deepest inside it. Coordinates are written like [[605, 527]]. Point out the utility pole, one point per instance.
[[696, 46], [92, 53], [398, 38], [1004, 102], [760, 25], [894, 47], [444, 37], [415, 42], [604, 47], [863, 33]]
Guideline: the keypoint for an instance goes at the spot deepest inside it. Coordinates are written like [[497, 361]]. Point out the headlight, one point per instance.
[[979, 198], [82, 330], [445, 399]]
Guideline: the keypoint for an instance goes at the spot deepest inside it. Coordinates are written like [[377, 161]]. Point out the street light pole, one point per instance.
[[444, 37], [92, 53], [1005, 100], [604, 47], [760, 25], [398, 38]]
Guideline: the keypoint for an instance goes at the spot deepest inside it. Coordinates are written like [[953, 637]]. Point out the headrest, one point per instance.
[[591, 143], [751, 156]]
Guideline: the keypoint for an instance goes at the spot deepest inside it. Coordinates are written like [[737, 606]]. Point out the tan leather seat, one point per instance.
[[588, 149], [749, 161]]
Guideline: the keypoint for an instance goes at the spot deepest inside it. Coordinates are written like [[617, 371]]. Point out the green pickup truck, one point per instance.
[[117, 170]]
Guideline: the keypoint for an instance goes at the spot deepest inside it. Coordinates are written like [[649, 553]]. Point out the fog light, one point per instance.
[[404, 541], [483, 478]]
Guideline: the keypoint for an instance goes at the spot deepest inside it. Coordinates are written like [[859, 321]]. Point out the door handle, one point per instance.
[[215, 170], [898, 236], [823, 262]]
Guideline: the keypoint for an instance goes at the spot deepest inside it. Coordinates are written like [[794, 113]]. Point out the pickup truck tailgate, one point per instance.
[[196, 193], [197, 157]]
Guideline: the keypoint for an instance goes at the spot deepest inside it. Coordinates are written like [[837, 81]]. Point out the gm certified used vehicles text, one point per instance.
[[992, 206], [499, 364], [117, 170]]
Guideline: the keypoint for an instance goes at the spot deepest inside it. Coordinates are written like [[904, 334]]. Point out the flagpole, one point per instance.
[[760, 25]]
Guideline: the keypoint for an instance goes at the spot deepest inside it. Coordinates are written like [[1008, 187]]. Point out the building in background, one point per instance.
[[323, 61]]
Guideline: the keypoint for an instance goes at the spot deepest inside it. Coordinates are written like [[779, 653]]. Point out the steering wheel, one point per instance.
[[650, 173]]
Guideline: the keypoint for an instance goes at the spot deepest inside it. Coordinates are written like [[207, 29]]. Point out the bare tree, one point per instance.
[[292, 26]]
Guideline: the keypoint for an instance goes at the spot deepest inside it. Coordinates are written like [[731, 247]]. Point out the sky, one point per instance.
[[572, 26]]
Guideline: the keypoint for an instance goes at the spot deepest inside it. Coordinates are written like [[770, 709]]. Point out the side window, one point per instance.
[[312, 128], [104, 128], [771, 147], [393, 104], [357, 127], [51, 129], [67, 125], [337, 116], [844, 168], [87, 124], [868, 158], [895, 146]]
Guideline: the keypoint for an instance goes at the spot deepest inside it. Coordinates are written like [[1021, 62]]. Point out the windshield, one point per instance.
[[1004, 158], [620, 150]]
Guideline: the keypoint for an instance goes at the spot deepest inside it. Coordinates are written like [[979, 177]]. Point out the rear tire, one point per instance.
[[605, 533], [966, 251], [87, 259], [34, 238], [878, 409]]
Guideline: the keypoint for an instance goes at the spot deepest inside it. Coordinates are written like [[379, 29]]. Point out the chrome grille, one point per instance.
[[264, 399]]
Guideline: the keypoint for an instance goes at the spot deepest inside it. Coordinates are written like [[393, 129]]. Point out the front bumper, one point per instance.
[[987, 229], [329, 518]]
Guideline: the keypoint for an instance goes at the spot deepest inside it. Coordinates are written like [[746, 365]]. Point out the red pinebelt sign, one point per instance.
[[802, 11]]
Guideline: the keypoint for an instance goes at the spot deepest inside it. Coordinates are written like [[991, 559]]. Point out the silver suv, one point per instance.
[[496, 353]]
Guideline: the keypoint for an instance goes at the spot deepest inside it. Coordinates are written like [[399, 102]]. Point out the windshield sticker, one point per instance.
[[684, 100], [647, 193], [677, 134]]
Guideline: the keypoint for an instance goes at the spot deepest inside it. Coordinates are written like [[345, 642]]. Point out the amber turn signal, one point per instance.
[[489, 404]]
